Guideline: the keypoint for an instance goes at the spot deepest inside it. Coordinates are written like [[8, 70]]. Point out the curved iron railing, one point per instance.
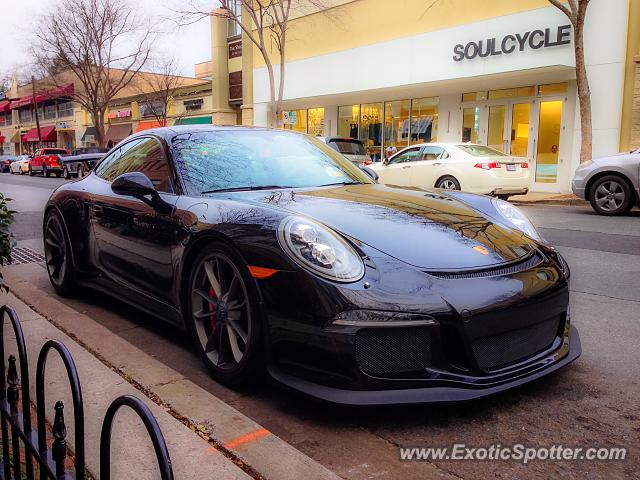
[[16, 428]]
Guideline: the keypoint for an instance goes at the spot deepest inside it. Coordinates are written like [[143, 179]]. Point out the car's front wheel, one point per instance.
[[57, 252], [448, 183], [611, 195], [222, 314], [65, 173]]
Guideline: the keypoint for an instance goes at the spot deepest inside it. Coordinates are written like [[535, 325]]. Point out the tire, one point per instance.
[[611, 195], [21, 171], [80, 173], [503, 197], [448, 183], [46, 172], [65, 173], [57, 250], [31, 172], [239, 339]]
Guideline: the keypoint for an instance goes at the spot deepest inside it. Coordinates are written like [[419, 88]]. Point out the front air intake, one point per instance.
[[382, 351]]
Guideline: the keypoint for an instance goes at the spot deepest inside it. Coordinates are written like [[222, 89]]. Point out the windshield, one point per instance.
[[54, 151], [481, 151], [250, 159], [348, 147]]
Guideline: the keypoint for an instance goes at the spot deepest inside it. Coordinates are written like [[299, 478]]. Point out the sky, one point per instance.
[[189, 45]]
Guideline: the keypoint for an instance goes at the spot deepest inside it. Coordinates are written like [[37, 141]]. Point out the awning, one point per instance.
[[118, 132], [5, 106], [89, 132], [147, 125], [50, 94], [194, 121], [2, 139], [47, 134]]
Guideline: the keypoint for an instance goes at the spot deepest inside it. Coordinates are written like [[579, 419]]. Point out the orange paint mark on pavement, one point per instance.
[[246, 438]]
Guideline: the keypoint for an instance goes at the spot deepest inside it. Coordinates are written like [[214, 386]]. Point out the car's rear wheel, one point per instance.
[[80, 173], [611, 195], [222, 314], [57, 252], [31, 172], [65, 173], [448, 183], [45, 171], [503, 196]]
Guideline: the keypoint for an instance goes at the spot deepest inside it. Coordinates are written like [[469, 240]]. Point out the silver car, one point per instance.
[[610, 184]]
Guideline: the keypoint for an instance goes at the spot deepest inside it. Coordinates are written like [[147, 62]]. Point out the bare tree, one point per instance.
[[98, 45], [267, 30], [157, 89], [576, 11]]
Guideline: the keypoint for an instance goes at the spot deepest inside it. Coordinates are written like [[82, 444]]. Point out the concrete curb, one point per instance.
[[559, 201], [231, 433]]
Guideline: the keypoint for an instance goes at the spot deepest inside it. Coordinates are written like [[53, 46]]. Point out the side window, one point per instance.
[[409, 155], [144, 155], [434, 153]]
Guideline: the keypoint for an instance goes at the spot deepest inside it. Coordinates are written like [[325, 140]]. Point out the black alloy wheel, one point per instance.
[[223, 315], [611, 195], [448, 183], [57, 255]]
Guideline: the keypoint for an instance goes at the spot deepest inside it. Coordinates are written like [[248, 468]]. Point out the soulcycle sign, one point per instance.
[[534, 40]]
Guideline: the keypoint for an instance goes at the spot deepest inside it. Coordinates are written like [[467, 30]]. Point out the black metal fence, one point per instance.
[[22, 448]]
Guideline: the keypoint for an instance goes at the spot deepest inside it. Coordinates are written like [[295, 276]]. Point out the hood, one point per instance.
[[421, 228]]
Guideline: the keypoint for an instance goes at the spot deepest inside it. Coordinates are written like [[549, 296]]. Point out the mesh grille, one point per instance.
[[21, 255], [509, 347], [531, 262], [393, 350]]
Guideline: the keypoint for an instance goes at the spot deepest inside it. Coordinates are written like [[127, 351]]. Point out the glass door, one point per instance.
[[496, 130], [519, 129], [548, 141]]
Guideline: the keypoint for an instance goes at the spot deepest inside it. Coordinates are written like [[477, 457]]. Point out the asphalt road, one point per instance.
[[593, 403]]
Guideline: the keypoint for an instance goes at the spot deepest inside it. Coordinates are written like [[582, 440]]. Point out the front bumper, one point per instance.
[[567, 353]]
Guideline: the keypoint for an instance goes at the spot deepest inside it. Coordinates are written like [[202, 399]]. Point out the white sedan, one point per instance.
[[463, 166], [21, 165]]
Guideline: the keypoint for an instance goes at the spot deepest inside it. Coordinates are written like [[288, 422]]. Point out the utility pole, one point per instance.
[[35, 107]]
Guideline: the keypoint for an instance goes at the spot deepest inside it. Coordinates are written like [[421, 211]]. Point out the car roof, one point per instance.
[[168, 132]]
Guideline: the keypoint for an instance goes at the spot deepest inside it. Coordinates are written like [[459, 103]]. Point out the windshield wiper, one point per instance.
[[340, 183], [241, 189]]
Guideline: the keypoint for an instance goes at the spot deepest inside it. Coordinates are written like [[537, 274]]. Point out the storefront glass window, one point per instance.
[[474, 96], [296, 120], [396, 124], [512, 92], [424, 120], [315, 120], [370, 133], [65, 109], [553, 88], [549, 141], [348, 121], [520, 129], [470, 124], [495, 136]]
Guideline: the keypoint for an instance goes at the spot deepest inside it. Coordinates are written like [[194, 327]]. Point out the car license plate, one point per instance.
[[511, 167]]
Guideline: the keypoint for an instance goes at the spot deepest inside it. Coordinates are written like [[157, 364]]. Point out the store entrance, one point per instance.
[[509, 128]]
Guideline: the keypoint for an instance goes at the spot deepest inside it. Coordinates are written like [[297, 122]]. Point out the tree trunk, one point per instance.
[[98, 123], [584, 96]]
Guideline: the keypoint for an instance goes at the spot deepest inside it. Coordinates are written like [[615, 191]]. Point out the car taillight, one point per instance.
[[368, 162], [487, 165], [53, 158], [524, 165]]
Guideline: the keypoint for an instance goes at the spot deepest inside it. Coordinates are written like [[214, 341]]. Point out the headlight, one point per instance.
[[516, 218], [317, 248]]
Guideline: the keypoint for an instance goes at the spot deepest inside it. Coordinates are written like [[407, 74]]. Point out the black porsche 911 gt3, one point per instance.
[[273, 250]]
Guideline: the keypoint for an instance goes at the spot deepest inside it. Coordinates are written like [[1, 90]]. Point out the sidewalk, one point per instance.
[[540, 198], [206, 437]]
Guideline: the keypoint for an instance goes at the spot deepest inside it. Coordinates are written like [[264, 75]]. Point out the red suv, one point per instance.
[[47, 161]]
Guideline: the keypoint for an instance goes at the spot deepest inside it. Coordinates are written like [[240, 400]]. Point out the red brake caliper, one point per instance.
[[212, 308]]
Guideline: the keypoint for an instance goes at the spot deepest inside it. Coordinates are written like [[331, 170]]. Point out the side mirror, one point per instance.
[[133, 184], [371, 173]]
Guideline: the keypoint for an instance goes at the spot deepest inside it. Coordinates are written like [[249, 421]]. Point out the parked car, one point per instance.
[[47, 161], [21, 165], [464, 166], [78, 165], [86, 150], [6, 161], [611, 184], [277, 253], [351, 148]]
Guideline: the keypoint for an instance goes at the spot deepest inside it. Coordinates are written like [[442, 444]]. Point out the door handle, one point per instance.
[[406, 166], [436, 164]]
